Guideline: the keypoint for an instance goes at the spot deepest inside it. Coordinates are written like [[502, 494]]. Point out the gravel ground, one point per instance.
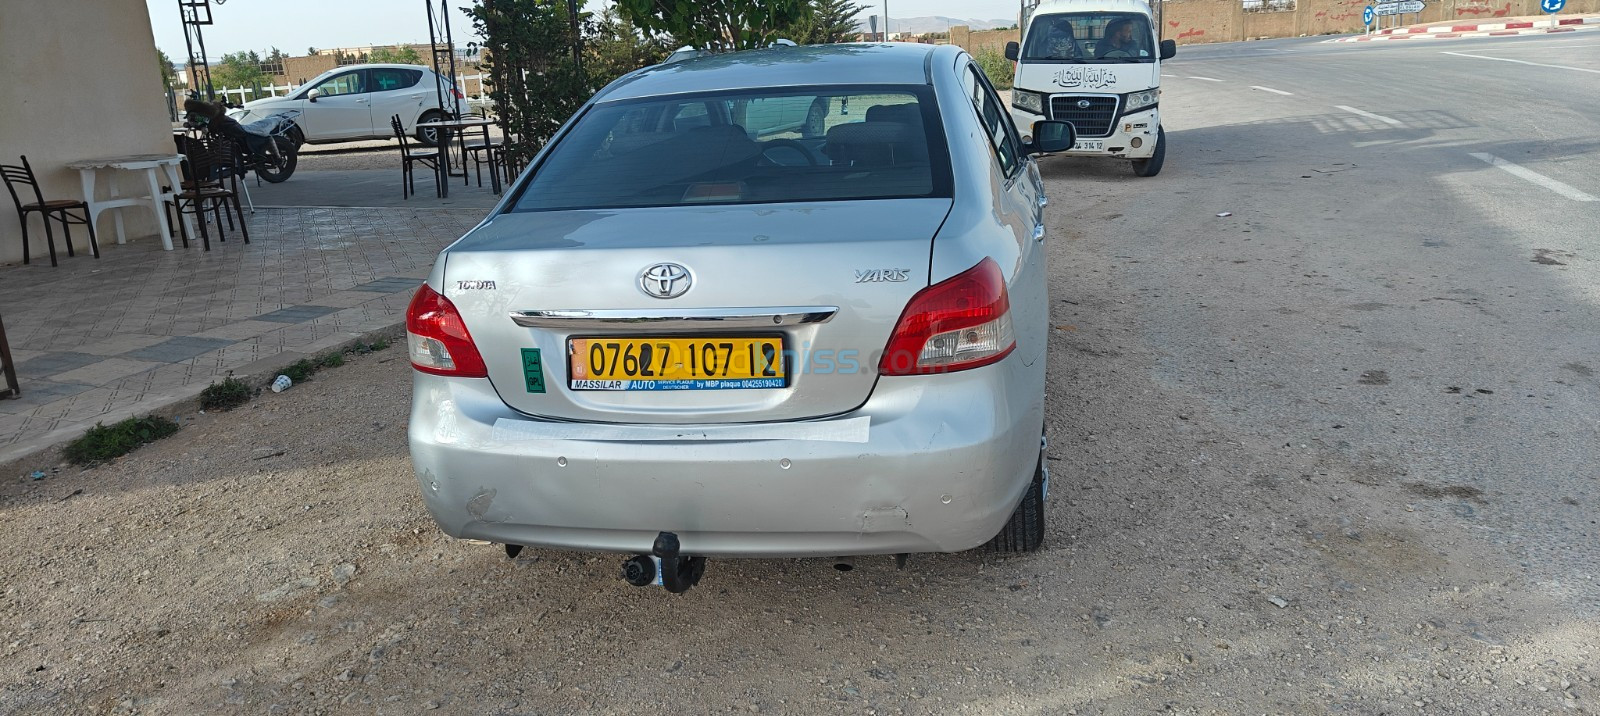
[[277, 559]]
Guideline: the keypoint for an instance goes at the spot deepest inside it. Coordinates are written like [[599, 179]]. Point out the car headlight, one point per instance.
[[1140, 100], [1027, 101]]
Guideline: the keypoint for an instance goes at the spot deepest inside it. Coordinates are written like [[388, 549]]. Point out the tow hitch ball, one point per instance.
[[664, 566]]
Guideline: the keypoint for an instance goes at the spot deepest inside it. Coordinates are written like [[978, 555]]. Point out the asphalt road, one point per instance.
[[1385, 292]]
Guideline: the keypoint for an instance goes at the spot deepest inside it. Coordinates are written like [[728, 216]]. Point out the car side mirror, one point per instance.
[[1051, 136], [1168, 49], [313, 95], [1013, 51]]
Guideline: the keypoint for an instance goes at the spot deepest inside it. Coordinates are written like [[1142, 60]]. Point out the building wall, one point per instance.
[[298, 70], [67, 98], [975, 41], [1197, 21]]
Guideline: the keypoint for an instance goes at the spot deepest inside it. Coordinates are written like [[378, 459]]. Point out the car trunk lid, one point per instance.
[[826, 281]]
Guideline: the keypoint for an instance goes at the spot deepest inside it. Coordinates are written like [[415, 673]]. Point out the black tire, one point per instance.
[[429, 137], [1152, 166], [291, 158], [1024, 532], [816, 117]]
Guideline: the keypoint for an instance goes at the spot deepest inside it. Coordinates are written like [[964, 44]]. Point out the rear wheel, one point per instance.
[[429, 136], [1152, 166], [1024, 532]]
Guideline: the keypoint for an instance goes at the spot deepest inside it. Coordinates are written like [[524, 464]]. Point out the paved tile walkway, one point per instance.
[[140, 328]]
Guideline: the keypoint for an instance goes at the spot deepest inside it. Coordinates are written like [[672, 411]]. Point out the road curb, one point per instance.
[[186, 400], [1496, 30]]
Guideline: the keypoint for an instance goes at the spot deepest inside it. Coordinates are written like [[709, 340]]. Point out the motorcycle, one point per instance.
[[271, 143]]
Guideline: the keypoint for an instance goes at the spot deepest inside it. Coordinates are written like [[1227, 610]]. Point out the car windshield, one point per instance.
[[747, 147], [1090, 37]]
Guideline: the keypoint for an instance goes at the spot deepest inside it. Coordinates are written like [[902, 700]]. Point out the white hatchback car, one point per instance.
[[356, 101], [787, 302]]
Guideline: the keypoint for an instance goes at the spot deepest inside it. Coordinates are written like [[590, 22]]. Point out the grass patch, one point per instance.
[[361, 348], [304, 368], [300, 370], [104, 442], [230, 393], [996, 66]]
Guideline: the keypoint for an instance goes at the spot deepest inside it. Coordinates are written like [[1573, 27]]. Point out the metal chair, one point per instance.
[[426, 157], [8, 367], [488, 151], [58, 209], [212, 161]]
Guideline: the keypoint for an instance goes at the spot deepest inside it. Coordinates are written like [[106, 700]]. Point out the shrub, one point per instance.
[[104, 442], [996, 66], [230, 393], [300, 370]]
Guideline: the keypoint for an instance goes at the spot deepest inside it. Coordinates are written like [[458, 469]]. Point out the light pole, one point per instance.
[[885, 20]]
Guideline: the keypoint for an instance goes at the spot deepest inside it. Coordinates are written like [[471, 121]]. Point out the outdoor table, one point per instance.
[[446, 127], [152, 165]]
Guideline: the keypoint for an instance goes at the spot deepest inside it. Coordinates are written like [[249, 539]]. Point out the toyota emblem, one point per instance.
[[665, 280], [1084, 104]]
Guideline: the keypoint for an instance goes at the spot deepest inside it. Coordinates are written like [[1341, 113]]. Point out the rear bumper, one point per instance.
[[940, 467]]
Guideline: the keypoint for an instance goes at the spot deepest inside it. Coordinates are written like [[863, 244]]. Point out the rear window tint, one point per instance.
[[747, 147], [385, 78]]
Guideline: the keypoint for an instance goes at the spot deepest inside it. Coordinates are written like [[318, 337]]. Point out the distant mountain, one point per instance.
[[934, 23]]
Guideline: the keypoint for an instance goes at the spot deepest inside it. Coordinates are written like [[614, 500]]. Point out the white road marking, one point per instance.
[[1565, 190], [1274, 91], [1169, 75], [1542, 45], [1208, 79], [1379, 117], [1524, 62]]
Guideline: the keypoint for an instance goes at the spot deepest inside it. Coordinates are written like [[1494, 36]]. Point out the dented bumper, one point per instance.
[[928, 464]]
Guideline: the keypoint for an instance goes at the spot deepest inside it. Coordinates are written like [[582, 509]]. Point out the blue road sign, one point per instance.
[[1552, 6], [1367, 14]]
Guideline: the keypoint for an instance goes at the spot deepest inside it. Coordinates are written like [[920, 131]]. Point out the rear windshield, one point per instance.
[[747, 147], [1089, 37]]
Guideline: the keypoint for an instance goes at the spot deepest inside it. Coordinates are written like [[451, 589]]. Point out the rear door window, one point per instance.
[[385, 79], [996, 122], [747, 147]]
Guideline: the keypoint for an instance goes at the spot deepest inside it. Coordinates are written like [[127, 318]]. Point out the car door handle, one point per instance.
[[1038, 232]]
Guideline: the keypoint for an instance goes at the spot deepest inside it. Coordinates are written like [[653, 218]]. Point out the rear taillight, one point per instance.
[[457, 93], [438, 338], [959, 323]]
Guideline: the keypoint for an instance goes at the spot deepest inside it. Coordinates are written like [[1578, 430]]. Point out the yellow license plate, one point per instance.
[[720, 363]]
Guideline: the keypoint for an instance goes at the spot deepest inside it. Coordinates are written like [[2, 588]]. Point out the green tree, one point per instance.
[[828, 21], [169, 74], [406, 55], [238, 69], [527, 49], [716, 25], [618, 47]]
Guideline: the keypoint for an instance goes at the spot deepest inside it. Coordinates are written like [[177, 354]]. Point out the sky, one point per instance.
[[295, 25]]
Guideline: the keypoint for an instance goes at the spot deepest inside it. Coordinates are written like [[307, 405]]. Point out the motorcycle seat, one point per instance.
[[261, 127]]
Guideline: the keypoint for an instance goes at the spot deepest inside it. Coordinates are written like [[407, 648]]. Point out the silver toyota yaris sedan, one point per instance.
[[786, 302]]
